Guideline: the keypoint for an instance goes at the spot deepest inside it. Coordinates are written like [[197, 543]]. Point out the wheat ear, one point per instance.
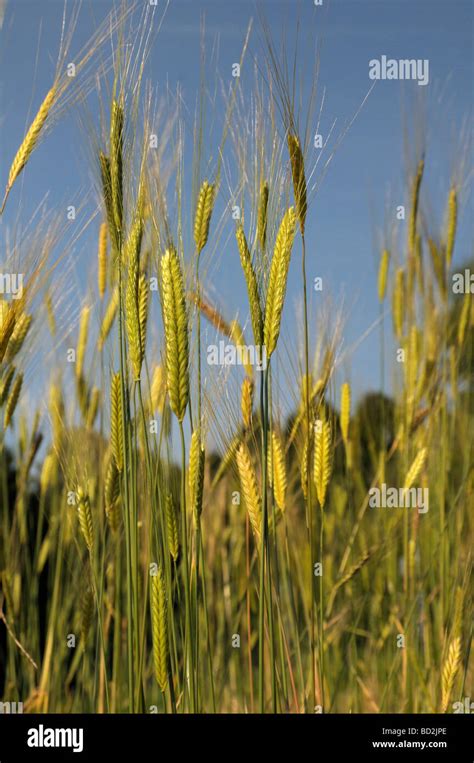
[[172, 527], [246, 401], [30, 141], [322, 459], [383, 274], [262, 215], [279, 472], [450, 670], [176, 333], [345, 410], [12, 400], [159, 622], [299, 180], [116, 426], [248, 481], [452, 224], [252, 286], [84, 515], [278, 279], [102, 260], [202, 218], [196, 472]]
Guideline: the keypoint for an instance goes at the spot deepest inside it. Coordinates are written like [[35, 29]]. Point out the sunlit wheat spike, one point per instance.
[[87, 611], [158, 389], [5, 383], [398, 303], [112, 493], [116, 426], [383, 273], [279, 472], [172, 527], [12, 400], [196, 472], [299, 179], [102, 260], [415, 469], [463, 319], [414, 204], [84, 515], [142, 311], [132, 318], [176, 333], [108, 204], [18, 336], [345, 410], [159, 622], [252, 286], [6, 330], [48, 474], [30, 141], [116, 162], [248, 482], [322, 459], [57, 412], [451, 224], [202, 218], [277, 281], [246, 401], [450, 671], [262, 214], [82, 341], [108, 319]]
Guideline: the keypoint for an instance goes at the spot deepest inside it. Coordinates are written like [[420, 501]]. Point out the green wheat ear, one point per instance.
[[159, 622], [176, 333]]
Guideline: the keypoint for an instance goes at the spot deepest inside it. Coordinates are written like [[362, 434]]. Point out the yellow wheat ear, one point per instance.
[[246, 401], [202, 218], [450, 670], [172, 527], [322, 459], [262, 214], [252, 286], [278, 472], [196, 472], [277, 282], [248, 482], [159, 623], [30, 141], [345, 410], [176, 333], [452, 224], [383, 273], [84, 515]]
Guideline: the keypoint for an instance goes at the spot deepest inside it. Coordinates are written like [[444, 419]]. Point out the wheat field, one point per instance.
[[189, 518]]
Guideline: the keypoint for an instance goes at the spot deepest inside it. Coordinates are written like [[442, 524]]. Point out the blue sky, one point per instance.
[[368, 167]]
